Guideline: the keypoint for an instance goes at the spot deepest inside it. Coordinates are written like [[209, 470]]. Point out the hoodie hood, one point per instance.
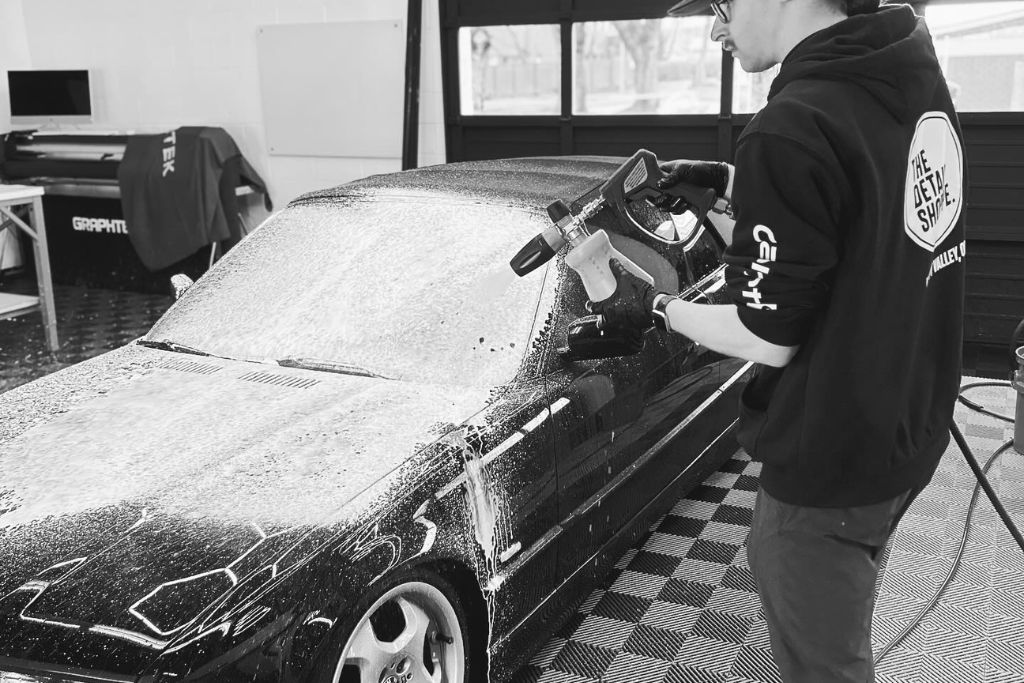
[[888, 52]]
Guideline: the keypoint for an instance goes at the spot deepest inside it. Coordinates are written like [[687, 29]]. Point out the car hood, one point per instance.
[[208, 438], [142, 468]]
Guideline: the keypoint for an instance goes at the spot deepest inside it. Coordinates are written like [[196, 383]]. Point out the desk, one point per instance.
[[12, 197]]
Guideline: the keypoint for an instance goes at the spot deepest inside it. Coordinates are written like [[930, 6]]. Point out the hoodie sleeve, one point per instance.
[[785, 243]]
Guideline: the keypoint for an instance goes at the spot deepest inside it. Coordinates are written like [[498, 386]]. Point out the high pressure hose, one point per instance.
[[979, 473]]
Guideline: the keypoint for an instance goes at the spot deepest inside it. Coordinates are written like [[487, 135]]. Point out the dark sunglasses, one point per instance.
[[721, 10]]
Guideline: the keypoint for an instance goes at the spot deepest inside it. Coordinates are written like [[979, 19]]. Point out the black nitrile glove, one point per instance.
[[713, 174], [631, 304]]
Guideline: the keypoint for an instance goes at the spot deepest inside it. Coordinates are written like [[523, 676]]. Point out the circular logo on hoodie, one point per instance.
[[934, 188]]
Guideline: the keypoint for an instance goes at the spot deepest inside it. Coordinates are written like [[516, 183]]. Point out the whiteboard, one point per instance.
[[333, 89]]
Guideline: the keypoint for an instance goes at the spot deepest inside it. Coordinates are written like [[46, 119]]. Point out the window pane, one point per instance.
[[750, 91], [981, 50], [704, 256], [510, 69], [646, 66]]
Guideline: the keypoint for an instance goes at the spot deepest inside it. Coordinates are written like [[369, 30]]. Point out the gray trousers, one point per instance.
[[815, 570]]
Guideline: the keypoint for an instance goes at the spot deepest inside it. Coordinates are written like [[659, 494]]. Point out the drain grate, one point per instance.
[[279, 380], [189, 366]]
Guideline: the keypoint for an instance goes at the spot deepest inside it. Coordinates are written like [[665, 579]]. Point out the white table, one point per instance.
[[12, 197]]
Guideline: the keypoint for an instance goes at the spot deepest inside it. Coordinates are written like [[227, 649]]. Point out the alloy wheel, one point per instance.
[[411, 634]]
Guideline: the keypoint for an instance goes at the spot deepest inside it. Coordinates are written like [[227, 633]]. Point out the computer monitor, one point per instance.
[[47, 96]]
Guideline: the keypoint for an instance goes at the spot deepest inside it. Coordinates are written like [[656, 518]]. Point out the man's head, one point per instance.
[[760, 33]]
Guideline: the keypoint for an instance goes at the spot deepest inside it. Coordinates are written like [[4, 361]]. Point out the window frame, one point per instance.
[[560, 133], [560, 129]]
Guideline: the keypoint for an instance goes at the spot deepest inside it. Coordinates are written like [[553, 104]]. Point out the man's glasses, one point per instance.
[[721, 10]]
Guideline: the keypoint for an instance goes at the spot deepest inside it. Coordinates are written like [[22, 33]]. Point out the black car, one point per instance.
[[358, 449]]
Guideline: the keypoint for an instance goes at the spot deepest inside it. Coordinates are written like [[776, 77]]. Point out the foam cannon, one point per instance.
[[633, 185]]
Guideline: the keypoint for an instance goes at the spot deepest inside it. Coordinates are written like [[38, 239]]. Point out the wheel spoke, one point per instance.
[[424, 644], [423, 675], [368, 675], [417, 623], [367, 653]]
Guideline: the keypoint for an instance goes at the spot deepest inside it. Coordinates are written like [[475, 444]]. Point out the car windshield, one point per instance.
[[405, 288]]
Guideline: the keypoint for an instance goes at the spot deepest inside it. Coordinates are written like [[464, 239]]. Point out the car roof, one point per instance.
[[531, 182]]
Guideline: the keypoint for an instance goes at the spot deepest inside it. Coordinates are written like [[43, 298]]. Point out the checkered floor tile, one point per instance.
[[974, 632], [681, 607]]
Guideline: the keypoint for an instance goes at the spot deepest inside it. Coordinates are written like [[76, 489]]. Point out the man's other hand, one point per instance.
[[631, 303], [713, 174]]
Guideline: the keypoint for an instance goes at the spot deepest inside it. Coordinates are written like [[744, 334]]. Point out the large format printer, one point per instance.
[[128, 211]]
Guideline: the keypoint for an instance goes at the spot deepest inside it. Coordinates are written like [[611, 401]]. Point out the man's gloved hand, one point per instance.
[[713, 174], [632, 302]]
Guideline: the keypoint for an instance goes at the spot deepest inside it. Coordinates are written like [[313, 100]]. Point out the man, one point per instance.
[[845, 268]]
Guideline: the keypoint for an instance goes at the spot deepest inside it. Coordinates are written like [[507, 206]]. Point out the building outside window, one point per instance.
[[646, 66], [670, 66], [510, 70], [750, 91], [981, 49]]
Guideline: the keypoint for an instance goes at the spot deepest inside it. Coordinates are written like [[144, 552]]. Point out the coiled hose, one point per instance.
[[983, 483]]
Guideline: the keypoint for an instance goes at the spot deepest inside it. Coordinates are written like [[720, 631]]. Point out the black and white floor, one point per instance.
[[89, 322], [681, 607]]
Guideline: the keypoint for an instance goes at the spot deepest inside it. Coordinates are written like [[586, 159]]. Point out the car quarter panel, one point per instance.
[[508, 487], [137, 508], [482, 498]]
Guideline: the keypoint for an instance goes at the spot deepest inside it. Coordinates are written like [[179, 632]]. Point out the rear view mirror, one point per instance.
[[670, 228], [180, 283], [679, 228], [586, 341]]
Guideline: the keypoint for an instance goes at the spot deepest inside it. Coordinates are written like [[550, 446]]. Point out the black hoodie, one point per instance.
[[849, 243]]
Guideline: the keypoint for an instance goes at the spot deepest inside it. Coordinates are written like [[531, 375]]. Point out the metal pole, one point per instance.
[[411, 123], [725, 109]]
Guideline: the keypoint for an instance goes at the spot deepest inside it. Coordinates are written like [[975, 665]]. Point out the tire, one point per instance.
[[399, 633]]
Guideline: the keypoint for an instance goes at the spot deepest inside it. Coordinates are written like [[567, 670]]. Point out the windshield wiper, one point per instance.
[[328, 366], [165, 345]]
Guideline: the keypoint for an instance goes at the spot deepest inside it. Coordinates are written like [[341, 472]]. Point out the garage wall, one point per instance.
[[13, 48], [13, 55], [995, 239], [160, 64]]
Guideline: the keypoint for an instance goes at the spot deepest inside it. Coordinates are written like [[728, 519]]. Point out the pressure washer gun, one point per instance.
[[634, 181]]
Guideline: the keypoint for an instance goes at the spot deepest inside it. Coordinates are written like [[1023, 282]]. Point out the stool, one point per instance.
[[11, 305]]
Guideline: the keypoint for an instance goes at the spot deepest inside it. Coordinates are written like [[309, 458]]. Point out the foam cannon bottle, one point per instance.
[[589, 254]]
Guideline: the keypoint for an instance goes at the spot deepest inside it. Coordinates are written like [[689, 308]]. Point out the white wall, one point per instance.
[[13, 55], [13, 49], [160, 64]]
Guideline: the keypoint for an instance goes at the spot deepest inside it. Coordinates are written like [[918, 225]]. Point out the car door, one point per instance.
[[615, 434], [505, 471]]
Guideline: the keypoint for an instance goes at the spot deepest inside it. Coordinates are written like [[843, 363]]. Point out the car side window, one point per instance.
[[705, 255], [673, 267]]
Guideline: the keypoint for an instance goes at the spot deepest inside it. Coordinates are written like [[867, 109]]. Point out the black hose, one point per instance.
[[983, 481], [981, 409], [979, 473]]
